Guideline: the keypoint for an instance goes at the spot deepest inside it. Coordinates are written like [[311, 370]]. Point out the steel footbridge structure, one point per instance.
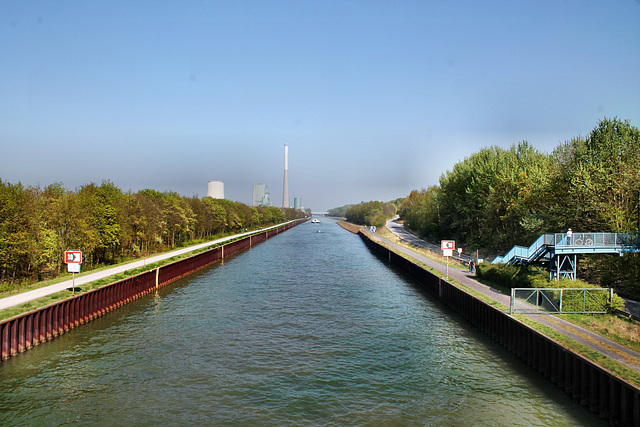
[[561, 251]]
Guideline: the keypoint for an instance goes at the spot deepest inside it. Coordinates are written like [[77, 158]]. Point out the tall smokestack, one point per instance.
[[285, 190]]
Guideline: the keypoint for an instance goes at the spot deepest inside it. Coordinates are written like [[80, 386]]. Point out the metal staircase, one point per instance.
[[561, 252]]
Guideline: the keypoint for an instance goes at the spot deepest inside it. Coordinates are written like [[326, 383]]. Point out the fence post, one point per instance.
[[513, 292], [560, 310]]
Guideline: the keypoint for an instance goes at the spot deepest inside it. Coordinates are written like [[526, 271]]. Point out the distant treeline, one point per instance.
[[371, 213], [497, 198], [340, 212], [38, 224]]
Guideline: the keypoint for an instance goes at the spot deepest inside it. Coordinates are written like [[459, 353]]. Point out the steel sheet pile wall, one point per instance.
[[23, 332], [27, 330], [171, 272], [257, 238], [235, 247], [602, 392]]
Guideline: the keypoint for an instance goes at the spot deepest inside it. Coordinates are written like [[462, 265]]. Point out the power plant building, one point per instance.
[[215, 189], [261, 195]]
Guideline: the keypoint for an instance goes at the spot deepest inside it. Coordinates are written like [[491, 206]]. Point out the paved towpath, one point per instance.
[[630, 306], [58, 287], [615, 351]]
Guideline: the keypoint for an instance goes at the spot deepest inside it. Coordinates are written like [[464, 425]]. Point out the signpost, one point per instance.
[[447, 250], [73, 259], [447, 247]]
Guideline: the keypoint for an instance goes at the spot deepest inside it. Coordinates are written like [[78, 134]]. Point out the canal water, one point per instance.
[[305, 329]]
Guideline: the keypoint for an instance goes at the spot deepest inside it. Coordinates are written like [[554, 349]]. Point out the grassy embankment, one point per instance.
[[384, 232], [612, 326], [625, 330], [10, 312]]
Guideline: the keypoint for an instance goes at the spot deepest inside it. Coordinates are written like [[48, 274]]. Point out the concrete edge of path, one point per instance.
[[28, 296]]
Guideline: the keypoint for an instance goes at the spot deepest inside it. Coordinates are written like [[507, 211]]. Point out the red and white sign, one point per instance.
[[73, 257], [448, 244]]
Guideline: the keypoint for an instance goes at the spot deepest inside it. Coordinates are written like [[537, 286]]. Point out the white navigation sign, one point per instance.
[[73, 257], [448, 244], [447, 250]]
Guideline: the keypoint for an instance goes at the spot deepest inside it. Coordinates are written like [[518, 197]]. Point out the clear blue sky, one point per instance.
[[374, 98]]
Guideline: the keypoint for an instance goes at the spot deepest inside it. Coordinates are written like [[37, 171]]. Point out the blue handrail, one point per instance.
[[577, 243]]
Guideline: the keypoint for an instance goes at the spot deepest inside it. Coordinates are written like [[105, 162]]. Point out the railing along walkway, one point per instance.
[[551, 244]]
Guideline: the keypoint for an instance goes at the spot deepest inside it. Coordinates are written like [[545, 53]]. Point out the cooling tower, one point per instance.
[[285, 190], [215, 189]]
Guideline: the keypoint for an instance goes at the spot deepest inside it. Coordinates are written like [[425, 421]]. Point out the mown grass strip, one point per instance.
[[35, 304], [598, 358]]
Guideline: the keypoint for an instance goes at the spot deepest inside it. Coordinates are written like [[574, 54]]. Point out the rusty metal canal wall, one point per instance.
[[27, 330], [594, 387]]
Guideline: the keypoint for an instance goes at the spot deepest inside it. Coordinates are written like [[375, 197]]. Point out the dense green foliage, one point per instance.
[[497, 198], [38, 224], [340, 212], [371, 213]]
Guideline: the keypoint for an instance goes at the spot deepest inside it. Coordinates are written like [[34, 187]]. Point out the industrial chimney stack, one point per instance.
[[285, 190]]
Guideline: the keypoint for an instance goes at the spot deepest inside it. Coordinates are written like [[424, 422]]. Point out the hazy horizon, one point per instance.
[[374, 99]]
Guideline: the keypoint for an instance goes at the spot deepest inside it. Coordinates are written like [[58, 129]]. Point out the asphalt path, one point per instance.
[[68, 284], [613, 350], [631, 307]]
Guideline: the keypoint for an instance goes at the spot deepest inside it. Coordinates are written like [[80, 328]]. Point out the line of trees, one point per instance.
[[371, 213], [497, 198], [339, 212], [38, 224]]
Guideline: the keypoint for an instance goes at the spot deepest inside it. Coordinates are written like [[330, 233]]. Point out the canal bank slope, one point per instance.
[[631, 307], [81, 280], [599, 389], [604, 346], [24, 331]]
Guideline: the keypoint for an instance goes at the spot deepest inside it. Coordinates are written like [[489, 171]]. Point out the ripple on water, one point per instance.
[[306, 328]]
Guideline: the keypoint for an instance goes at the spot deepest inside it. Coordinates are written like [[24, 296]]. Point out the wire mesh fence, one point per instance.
[[563, 300]]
